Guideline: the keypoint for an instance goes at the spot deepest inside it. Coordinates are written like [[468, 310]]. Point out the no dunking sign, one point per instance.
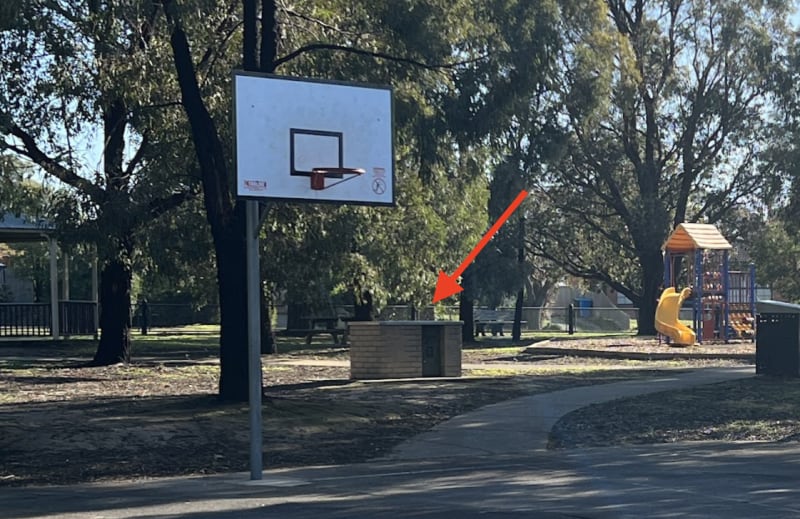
[[378, 181]]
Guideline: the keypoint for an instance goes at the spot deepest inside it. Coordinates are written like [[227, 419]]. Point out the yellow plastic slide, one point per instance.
[[667, 321]]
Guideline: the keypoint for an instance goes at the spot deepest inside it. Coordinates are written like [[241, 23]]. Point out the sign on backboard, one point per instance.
[[318, 141]]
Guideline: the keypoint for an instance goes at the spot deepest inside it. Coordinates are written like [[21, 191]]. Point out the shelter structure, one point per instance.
[[723, 300], [58, 317]]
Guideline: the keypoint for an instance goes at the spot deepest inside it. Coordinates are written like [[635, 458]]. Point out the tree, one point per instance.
[[660, 120], [75, 69], [177, 260], [408, 43]]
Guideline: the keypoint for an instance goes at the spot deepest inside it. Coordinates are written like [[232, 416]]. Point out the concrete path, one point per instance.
[[523, 424], [487, 464]]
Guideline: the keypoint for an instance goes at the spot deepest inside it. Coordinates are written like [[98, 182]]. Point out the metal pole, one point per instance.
[[726, 296], [54, 324], [698, 298], [95, 294], [254, 338], [65, 281]]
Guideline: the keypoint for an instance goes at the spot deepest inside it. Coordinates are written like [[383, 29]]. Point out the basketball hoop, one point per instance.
[[318, 176]]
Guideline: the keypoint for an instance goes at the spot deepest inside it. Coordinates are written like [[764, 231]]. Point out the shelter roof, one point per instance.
[[692, 236], [14, 228]]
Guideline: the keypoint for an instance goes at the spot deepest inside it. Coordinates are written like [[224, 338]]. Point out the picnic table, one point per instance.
[[324, 324]]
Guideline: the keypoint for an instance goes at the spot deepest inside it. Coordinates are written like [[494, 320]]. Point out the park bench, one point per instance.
[[494, 321]]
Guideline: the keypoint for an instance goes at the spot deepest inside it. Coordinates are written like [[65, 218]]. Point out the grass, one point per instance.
[[760, 408], [572, 370]]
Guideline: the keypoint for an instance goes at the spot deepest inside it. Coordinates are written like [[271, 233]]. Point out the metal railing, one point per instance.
[[169, 314], [25, 319], [76, 318], [553, 319], [34, 319]]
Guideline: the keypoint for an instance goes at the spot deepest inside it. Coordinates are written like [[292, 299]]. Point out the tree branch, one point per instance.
[[317, 21], [207, 144], [53, 167], [158, 106], [373, 54], [138, 156], [160, 206]]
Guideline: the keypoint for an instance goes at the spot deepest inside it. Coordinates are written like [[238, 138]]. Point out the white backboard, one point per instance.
[[285, 127]]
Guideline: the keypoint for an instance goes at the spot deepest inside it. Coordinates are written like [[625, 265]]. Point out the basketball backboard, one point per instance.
[[318, 141]]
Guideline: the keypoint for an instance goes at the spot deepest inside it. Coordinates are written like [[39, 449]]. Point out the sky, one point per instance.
[[89, 145]]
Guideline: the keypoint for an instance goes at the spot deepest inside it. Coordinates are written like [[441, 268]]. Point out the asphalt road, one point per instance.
[[662, 481]]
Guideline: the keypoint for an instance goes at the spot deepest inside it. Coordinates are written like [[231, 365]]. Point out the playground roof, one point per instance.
[[15, 228], [692, 236]]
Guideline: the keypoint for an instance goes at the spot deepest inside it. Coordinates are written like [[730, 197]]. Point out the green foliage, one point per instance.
[[19, 193], [177, 263], [395, 253], [31, 262], [88, 72], [775, 253], [660, 115]]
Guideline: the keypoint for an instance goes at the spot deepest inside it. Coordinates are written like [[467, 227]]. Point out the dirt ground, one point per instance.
[[159, 416]]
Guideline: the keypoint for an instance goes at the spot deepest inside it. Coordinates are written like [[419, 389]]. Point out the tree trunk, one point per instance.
[[115, 316], [232, 278], [227, 224], [516, 330], [652, 278], [465, 308], [267, 340]]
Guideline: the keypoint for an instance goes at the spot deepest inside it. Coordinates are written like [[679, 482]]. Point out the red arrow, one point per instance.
[[447, 286]]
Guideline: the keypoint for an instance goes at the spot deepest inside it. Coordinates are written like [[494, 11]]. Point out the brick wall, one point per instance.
[[393, 349]]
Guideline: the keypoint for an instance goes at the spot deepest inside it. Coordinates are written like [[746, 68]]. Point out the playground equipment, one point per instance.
[[667, 322], [723, 300]]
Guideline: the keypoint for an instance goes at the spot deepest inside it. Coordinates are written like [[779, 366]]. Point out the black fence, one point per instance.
[[550, 318], [162, 315], [76, 318], [34, 319], [25, 319]]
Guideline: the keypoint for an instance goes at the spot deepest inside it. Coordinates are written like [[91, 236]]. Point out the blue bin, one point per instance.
[[584, 305]]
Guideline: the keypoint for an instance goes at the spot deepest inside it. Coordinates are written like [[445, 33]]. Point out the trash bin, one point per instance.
[[778, 339], [584, 305]]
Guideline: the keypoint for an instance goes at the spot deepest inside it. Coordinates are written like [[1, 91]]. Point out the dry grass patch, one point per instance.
[[760, 408]]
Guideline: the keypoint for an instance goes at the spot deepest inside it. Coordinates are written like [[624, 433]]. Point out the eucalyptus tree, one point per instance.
[[774, 235], [783, 150], [501, 102], [447, 118], [407, 44], [660, 120], [80, 75], [508, 266]]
